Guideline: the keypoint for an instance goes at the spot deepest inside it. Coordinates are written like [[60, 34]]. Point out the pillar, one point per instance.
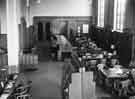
[[12, 36]]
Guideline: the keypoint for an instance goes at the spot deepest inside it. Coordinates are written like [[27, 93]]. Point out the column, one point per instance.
[[28, 13], [12, 36]]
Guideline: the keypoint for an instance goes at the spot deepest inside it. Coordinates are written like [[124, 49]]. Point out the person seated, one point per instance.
[[102, 64], [131, 87], [105, 53], [114, 62], [98, 77]]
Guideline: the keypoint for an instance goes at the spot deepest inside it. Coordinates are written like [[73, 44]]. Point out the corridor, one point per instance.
[[46, 80]]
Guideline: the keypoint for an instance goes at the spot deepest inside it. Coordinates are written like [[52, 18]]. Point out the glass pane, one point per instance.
[[119, 11], [85, 28], [100, 13]]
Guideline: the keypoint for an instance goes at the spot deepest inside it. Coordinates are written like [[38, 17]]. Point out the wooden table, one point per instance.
[[113, 80], [109, 73]]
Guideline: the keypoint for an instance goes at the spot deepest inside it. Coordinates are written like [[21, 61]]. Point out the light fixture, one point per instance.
[[90, 2], [38, 1], [28, 3]]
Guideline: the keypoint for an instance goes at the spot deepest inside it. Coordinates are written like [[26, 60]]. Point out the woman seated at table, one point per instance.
[[98, 75], [102, 64]]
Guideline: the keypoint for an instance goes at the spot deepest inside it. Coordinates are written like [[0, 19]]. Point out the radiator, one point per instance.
[[25, 59], [28, 59]]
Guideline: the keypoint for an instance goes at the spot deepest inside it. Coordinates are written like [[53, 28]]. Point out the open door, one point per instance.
[[48, 30], [40, 31]]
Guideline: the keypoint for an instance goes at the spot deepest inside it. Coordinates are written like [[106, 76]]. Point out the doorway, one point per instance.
[[40, 31], [48, 30]]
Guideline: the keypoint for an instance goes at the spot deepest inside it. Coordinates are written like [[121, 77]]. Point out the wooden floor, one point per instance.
[[46, 81]]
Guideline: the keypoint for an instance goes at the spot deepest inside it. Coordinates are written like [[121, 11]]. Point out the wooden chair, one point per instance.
[[25, 96], [121, 87], [21, 96], [22, 91], [131, 87]]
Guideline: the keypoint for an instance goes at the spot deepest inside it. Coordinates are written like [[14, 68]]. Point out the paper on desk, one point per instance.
[[10, 85], [4, 96], [116, 70]]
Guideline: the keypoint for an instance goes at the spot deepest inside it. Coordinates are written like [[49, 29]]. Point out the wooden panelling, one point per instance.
[[43, 18], [129, 14], [66, 25], [3, 41], [3, 60], [125, 48], [109, 9]]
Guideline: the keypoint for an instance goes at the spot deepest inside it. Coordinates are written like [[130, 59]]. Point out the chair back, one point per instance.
[[26, 96]]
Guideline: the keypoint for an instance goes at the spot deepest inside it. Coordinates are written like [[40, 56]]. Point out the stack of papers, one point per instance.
[[4, 96], [116, 71]]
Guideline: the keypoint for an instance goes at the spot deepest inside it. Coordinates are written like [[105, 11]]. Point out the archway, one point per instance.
[[40, 31]]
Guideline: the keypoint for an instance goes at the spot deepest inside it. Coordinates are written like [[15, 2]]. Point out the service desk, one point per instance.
[[65, 48]]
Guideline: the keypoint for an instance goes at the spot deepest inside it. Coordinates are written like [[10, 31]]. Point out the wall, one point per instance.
[[21, 13], [3, 16], [61, 8], [109, 8], [61, 24]]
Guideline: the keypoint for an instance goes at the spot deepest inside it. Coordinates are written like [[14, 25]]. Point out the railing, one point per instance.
[[24, 59], [28, 59]]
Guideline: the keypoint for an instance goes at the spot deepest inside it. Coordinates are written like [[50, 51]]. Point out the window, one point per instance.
[[85, 28], [101, 6], [119, 13], [78, 29]]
